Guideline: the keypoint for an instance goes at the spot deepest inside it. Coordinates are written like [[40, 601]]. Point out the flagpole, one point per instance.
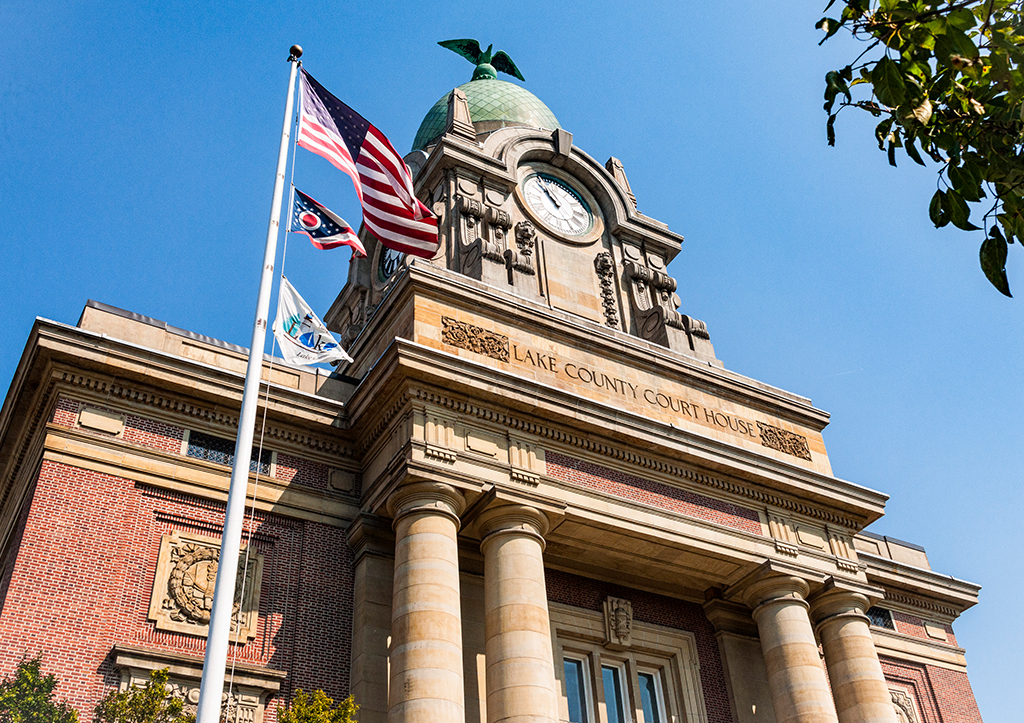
[[212, 687]]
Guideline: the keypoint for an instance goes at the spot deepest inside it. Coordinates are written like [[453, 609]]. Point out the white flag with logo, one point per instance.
[[303, 338]]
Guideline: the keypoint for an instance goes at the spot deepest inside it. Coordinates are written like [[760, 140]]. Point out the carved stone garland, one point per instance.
[[605, 267]]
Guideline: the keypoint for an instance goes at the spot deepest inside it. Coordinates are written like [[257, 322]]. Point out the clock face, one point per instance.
[[557, 204], [388, 262]]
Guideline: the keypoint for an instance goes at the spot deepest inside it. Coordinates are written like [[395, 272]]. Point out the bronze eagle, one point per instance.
[[486, 64]]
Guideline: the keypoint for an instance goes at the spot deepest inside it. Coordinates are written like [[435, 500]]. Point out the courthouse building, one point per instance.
[[536, 495]]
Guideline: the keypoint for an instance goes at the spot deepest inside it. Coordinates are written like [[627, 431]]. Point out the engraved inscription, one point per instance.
[[474, 339], [784, 441]]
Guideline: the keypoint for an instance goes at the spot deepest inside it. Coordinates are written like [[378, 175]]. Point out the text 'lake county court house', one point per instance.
[[536, 495]]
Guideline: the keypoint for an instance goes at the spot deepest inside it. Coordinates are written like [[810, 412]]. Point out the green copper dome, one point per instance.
[[492, 100]]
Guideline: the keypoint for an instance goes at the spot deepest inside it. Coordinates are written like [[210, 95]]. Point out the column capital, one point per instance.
[[512, 519], [434, 498], [371, 535], [775, 581], [842, 599]]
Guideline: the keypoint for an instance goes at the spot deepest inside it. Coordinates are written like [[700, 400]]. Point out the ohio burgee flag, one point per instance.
[[303, 338]]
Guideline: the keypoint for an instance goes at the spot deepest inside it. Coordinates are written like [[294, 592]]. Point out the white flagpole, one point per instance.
[[212, 687]]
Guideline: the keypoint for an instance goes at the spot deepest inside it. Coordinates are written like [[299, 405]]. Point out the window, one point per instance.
[[615, 702], [651, 699], [881, 618], [222, 451], [576, 690], [654, 680]]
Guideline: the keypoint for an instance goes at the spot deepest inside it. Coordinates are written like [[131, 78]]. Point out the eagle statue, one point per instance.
[[487, 65]]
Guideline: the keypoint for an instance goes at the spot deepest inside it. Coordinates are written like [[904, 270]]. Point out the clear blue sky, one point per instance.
[[137, 151]]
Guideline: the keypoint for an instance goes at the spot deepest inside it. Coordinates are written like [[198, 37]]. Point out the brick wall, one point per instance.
[[301, 472], [140, 431], [913, 625], [942, 696], [638, 489], [582, 592], [83, 577]]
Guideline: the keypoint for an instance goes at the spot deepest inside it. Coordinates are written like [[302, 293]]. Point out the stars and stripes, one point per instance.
[[326, 229], [382, 181]]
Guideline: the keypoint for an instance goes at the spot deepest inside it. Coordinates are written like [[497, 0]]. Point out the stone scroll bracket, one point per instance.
[[618, 623], [653, 303]]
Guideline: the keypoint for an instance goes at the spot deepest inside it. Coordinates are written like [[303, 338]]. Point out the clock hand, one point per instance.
[[544, 185]]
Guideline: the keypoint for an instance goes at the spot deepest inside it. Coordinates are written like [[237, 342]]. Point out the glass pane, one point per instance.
[[612, 693], [649, 699], [574, 691]]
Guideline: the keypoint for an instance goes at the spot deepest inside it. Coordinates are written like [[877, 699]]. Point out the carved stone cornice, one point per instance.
[[626, 455], [179, 411]]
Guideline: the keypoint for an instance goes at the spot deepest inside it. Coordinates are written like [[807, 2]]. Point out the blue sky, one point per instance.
[[137, 151]]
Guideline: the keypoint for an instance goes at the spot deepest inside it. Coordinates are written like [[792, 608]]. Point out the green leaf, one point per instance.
[[993, 263], [892, 154], [912, 152], [888, 82], [936, 211], [831, 26], [831, 130], [959, 212]]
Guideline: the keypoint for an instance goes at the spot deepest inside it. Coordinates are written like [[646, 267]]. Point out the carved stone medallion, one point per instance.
[[186, 574]]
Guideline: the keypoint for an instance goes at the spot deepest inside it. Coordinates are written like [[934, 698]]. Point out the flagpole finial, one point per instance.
[[295, 52]]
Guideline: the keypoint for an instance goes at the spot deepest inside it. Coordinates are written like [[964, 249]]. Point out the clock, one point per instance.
[[557, 204], [388, 261]]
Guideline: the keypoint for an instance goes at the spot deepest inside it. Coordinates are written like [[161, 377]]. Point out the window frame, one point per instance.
[[667, 653]]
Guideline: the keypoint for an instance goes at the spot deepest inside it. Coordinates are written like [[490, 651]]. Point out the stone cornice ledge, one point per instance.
[[852, 505], [919, 588], [188, 666], [452, 288], [89, 350]]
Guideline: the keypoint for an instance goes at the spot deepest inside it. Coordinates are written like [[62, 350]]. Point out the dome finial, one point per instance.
[[487, 65]]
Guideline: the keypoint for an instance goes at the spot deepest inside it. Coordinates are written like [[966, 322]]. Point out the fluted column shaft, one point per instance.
[[796, 678], [858, 685], [426, 683], [520, 670]]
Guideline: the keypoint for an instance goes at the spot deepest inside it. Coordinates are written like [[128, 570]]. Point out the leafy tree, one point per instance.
[[151, 703], [28, 697], [317, 708], [944, 75]]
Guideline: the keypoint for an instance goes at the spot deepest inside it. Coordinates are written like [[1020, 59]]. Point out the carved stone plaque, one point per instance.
[[186, 573], [618, 622], [784, 441], [474, 339]]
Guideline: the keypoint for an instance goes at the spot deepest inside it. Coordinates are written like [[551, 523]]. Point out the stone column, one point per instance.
[[796, 677], [373, 542], [426, 683], [520, 670], [858, 685]]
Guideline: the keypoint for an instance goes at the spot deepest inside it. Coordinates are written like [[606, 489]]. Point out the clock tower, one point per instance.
[[569, 510], [528, 213]]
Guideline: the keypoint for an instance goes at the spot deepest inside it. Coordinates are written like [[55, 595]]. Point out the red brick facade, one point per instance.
[[82, 577], [941, 695], [638, 489], [583, 592], [913, 625]]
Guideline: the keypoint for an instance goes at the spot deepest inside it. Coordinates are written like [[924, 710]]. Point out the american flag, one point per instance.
[[391, 210], [326, 229]]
